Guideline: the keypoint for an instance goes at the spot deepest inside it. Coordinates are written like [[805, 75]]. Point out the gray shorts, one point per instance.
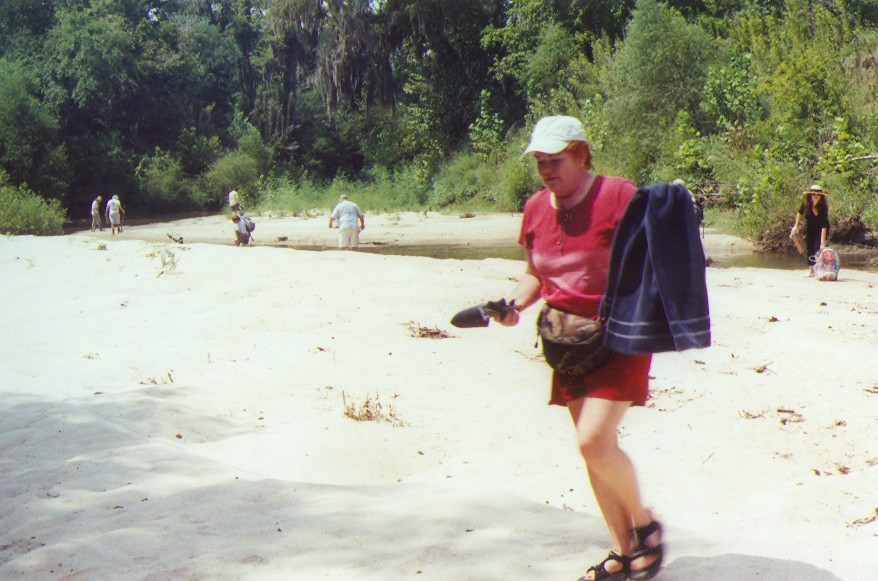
[[349, 238]]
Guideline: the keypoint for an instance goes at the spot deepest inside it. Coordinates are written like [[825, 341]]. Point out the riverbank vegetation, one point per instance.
[[426, 104], [24, 212]]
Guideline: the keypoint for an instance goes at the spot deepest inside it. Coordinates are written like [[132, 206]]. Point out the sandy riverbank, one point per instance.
[[191, 425]]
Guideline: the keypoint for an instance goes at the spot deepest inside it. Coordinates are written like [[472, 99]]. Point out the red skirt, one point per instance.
[[622, 378]]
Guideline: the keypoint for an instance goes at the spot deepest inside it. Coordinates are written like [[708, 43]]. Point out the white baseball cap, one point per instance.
[[553, 134]]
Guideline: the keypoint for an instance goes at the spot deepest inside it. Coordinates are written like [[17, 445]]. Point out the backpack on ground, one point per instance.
[[827, 264]]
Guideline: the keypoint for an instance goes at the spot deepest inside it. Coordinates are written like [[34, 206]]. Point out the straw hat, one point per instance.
[[815, 189]]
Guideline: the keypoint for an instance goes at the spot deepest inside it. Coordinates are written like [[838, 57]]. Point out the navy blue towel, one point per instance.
[[656, 297]]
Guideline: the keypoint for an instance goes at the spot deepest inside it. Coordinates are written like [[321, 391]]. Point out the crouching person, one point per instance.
[[242, 233]]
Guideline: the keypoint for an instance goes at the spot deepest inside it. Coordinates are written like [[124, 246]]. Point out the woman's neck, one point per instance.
[[567, 202]]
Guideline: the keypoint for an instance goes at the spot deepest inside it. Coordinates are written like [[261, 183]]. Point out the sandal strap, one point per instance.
[[640, 536], [600, 570]]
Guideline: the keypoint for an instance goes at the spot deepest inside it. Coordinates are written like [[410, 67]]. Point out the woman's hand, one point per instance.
[[525, 293], [508, 319]]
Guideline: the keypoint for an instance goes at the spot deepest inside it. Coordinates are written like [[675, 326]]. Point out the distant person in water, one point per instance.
[[114, 214], [350, 221]]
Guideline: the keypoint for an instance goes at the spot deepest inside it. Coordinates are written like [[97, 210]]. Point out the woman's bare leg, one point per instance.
[[610, 471]]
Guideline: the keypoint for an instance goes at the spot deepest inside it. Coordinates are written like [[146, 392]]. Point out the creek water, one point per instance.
[[856, 260], [513, 252]]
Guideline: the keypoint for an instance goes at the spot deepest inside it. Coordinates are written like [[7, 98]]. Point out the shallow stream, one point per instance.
[[857, 261]]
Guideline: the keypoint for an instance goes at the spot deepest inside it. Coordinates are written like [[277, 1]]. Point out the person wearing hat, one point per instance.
[[235, 202], [567, 232], [96, 222], [114, 213], [814, 211]]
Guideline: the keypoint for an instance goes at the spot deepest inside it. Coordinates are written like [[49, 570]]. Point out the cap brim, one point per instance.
[[550, 146]]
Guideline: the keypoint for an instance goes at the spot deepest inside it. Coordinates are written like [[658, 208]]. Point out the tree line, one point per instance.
[[427, 103]]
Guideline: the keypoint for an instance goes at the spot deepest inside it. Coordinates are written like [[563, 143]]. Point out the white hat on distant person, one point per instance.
[[553, 134], [816, 189]]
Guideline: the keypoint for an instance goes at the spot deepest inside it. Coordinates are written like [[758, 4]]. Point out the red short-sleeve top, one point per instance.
[[570, 248]]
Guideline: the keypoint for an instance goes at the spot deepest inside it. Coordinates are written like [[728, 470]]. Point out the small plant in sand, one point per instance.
[[101, 246], [371, 410], [165, 254], [750, 415], [416, 330]]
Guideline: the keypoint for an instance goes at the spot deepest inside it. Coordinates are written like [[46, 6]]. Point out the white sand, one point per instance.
[[191, 425]]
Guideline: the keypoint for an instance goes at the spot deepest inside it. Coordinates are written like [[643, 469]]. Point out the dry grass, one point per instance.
[[371, 410], [421, 332]]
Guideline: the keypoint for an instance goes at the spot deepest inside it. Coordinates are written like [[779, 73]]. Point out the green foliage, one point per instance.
[[234, 171], [659, 70], [486, 132], [767, 194], [164, 184], [29, 151], [464, 182], [407, 104], [548, 66], [517, 179], [692, 162], [240, 169], [197, 152], [286, 197], [91, 64], [729, 97], [382, 190], [400, 189], [846, 170], [24, 212]]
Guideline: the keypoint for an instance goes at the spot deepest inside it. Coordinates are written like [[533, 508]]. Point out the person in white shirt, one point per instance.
[[242, 234], [350, 221], [114, 214]]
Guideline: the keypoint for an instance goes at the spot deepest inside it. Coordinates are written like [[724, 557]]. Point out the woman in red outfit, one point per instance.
[[567, 232]]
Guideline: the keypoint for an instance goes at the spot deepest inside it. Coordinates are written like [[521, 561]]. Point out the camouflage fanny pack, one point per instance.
[[572, 344]]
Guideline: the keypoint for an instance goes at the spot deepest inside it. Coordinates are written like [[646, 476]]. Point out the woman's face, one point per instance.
[[815, 198], [560, 172]]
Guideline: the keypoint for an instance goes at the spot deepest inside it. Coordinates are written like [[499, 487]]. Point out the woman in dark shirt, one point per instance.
[[815, 211]]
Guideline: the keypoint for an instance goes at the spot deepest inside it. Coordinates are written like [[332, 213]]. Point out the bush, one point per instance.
[[380, 191], [768, 195], [460, 182], [384, 190], [284, 196], [24, 212], [518, 180], [161, 178], [234, 171]]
